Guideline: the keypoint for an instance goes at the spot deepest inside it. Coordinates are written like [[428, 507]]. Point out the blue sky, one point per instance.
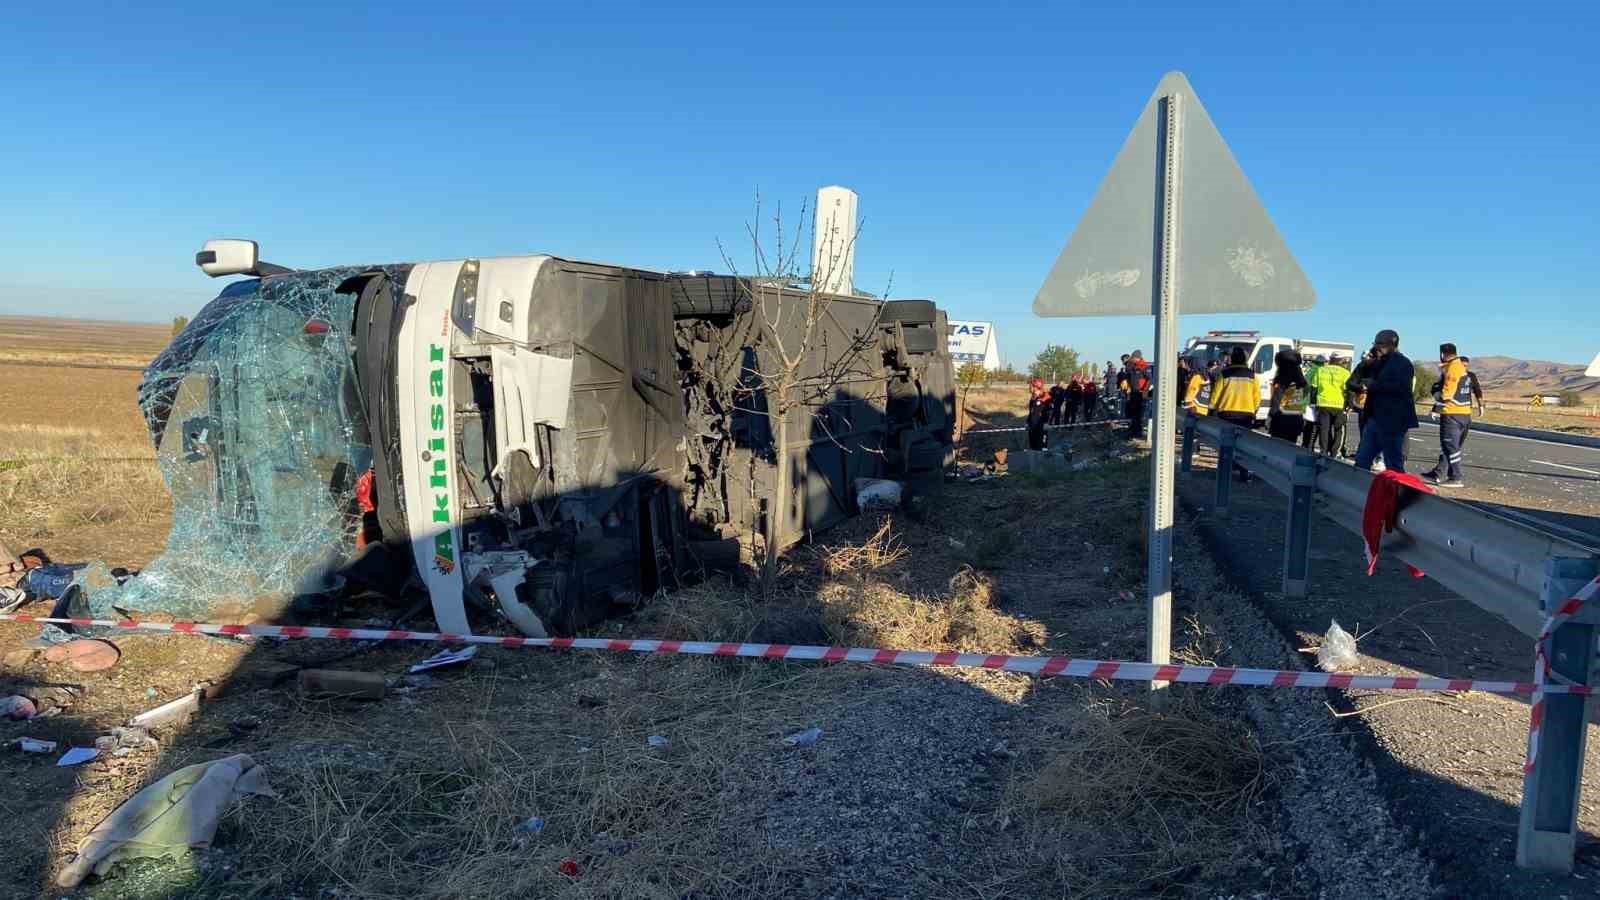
[[1430, 164]]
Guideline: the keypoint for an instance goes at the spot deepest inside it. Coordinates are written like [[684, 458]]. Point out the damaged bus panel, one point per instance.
[[533, 436]]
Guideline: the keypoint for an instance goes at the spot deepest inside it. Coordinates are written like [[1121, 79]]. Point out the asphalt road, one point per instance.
[[1555, 487]]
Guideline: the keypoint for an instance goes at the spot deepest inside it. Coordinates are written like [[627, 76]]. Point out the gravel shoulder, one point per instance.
[[1450, 765]]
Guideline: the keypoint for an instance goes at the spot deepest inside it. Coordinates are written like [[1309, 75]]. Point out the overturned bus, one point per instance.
[[537, 437]]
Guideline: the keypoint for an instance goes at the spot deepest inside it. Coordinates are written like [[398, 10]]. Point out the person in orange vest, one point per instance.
[[1452, 397], [1138, 376]]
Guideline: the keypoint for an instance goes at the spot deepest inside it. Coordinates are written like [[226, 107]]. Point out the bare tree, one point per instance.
[[793, 367]]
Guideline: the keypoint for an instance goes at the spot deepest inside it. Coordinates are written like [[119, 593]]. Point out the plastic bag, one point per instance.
[[1338, 650], [877, 493]]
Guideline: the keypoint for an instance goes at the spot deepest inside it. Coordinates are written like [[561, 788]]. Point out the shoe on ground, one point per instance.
[[1452, 483], [1430, 475]]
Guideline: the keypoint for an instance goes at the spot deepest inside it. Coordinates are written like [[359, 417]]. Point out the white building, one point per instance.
[[974, 342]]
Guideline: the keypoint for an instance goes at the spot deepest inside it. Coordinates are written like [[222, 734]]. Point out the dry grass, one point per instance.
[[1138, 801], [875, 613], [880, 550], [421, 799], [58, 485]]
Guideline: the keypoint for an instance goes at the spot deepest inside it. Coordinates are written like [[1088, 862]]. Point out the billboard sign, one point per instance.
[[974, 342]]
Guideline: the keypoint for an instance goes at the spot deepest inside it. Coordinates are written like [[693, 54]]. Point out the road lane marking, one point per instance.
[[1565, 466]]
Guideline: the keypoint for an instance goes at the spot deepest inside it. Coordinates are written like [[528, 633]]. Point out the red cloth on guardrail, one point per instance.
[[1383, 505]]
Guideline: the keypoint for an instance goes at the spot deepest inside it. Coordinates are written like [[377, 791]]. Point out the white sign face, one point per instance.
[[1594, 367], [1231, 257], [974, 342]]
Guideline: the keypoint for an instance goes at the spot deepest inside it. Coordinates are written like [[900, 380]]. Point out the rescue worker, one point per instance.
[[1074, 399], [1309, 431], [1452, 396], [1091, 398], [1328, 394], [1390, 409], [1122, 382], [1138, 377], [1235, 393], [1110, 378], [1197, 392], [1058, 395], [1290, 398], [1038, 412]]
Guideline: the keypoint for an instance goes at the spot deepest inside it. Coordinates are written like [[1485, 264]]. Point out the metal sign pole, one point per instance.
[[1163, 434]]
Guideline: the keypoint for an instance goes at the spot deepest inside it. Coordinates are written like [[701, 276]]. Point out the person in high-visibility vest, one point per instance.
[[1452, 396], [1235, 394], [1197, 393], [1328, 395], [1291, 396]]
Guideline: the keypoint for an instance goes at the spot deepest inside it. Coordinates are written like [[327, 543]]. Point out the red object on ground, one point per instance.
[[84, 654], [1383, 505], [568, 867]]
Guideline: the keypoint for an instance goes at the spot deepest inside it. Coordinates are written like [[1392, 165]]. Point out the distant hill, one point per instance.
[[1505, 375]]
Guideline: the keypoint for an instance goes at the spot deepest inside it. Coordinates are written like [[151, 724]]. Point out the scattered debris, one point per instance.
[[34, 745], [528, 827], [1338, 650], [342, 684], [124, 740], [16, 659], [568, 867], [416, 682], [168, 818], [168, 713], [1126, 596], [657, 741], [77, 756], [11, 598], [446, 658], [150, 693], [49, 635], [84, 654], [805, 738], [878, 494], [18, 707]]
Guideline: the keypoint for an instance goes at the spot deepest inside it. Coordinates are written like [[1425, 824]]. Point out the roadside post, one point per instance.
[[1206, 239], [1547, 831], [1297, 542]]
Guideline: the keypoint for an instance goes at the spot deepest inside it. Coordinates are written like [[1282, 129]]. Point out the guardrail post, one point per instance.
[[1297, 540], [1189, 426], [1547, 832], [1225, 443]]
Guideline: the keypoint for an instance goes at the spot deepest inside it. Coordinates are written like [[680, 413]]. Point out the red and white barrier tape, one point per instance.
[[1032, 665], [1047, 427], [1541, 667]]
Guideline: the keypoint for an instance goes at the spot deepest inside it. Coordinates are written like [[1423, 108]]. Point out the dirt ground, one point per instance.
[[81, 342]]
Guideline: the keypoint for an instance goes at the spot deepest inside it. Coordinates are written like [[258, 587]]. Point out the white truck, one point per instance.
[[1260, 350]]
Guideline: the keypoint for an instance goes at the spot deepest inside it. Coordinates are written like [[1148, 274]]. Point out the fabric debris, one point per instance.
[[167, 819]]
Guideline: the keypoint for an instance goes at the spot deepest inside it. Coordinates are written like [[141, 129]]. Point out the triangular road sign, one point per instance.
[[1232, 258], [1594, 367]]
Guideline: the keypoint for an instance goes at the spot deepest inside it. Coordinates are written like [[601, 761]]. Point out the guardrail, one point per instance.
[[1515, 572], [1537, 434]]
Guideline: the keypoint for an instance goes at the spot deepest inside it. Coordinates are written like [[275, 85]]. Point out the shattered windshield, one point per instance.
[[260, 440]]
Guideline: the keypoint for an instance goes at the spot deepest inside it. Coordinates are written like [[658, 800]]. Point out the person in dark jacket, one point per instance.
[[1091, 398], [1058, 395], [1390, 410], [1074, 400], [1291, 395], [1038, 413]]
